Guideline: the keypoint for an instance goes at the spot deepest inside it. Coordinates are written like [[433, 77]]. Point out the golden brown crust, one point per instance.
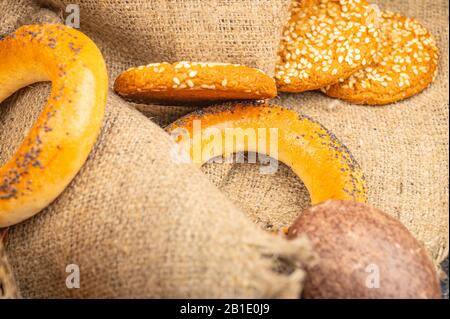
[[194, 82], [407, 65], [363, 253], [61, 138], [324, 41], [325, 165]]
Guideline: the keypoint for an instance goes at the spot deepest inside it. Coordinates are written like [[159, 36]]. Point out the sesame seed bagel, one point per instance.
[[322, 162], [194, 82], [408, 65], [324, 41], [60, 140]]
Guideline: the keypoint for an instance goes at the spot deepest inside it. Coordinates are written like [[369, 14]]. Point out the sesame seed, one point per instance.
[[407, 50], [207, 86], [314, 27]]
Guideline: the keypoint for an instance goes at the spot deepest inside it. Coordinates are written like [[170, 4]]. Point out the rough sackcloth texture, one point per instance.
[[143, 31], [136, 222], [402, 148], [7, 285]]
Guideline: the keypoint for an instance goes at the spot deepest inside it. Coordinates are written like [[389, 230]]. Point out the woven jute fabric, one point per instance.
[[135, 222], [180, 243], [142, 31], [402, 149], [139, 32], [8, 287]]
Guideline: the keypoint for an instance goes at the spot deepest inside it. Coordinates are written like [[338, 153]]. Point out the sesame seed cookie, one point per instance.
[[324, 41], [408, 64], [194, 82]]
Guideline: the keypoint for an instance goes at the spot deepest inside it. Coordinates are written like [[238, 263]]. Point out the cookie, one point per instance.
[[408, 65], [324, 41], [194, 82]]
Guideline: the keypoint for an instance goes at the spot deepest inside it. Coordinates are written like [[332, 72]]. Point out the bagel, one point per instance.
[[194, 82], [60, 140], [324, 164]]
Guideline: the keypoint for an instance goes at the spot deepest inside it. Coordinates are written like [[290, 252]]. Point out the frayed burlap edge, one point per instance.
[[8, 288]]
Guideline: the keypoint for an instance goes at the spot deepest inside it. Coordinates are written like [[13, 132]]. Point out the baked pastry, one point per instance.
[[363, 253], [324, 41], [322, 162], [407, 64], [63, 135], [194, 82]]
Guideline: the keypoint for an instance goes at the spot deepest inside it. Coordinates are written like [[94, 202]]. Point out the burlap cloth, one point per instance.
[[7, 285], [402, 148], [134, 221], [164, 231]]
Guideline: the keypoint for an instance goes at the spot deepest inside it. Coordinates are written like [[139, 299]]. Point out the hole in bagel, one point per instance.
[[18, 114], [272, 201]]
